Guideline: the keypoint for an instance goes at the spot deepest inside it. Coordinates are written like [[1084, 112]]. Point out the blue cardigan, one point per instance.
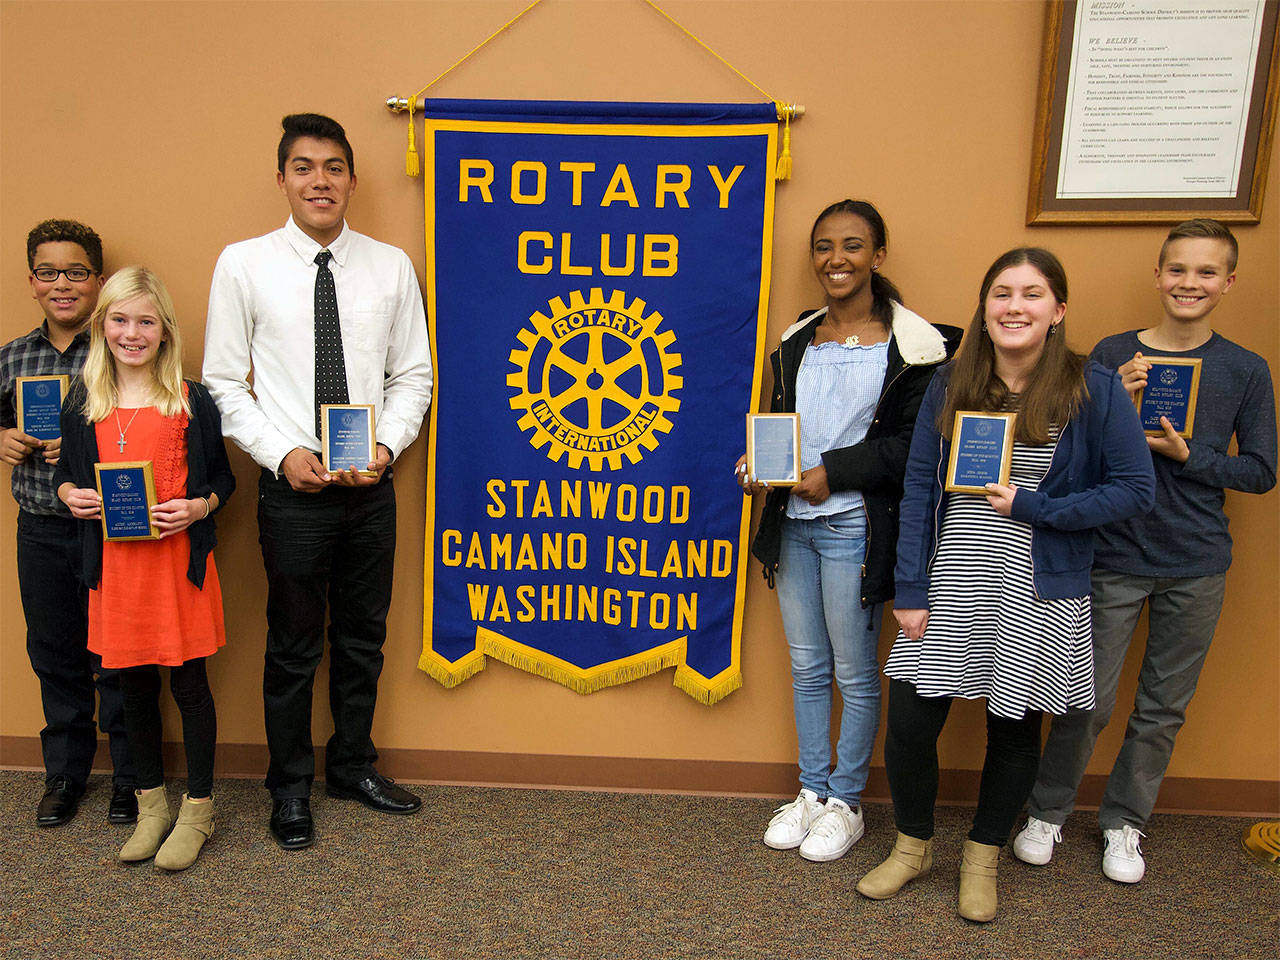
[[1101, 471]]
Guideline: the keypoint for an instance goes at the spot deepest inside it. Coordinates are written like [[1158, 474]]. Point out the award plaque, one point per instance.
[[346, 437], [1172, 386], [128, 492], [39, 405], [773, 448], [981, 451]]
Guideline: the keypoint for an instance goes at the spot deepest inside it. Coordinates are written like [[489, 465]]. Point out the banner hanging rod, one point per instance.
[[401, 104]]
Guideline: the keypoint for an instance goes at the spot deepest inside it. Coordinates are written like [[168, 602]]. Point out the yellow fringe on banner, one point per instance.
[[447, 675], [583, 680], [694, 685]]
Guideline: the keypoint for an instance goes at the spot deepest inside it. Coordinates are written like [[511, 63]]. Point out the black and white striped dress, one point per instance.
[[988, 634]]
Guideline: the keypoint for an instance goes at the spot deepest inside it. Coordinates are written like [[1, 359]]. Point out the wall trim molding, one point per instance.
[[1198, 795]]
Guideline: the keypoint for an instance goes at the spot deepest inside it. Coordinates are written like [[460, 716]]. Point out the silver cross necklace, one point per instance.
[[125, 429]]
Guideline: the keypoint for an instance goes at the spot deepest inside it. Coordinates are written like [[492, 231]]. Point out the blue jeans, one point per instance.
[[830, 634]]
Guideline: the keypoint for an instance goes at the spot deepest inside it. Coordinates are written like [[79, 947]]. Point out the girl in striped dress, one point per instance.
[[993, 590]]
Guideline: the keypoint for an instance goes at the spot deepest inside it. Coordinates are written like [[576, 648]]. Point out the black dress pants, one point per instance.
[[333, 549], [911, 761], [56, 606]]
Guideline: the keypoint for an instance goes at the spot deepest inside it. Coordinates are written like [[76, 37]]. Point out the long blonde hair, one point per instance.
[[167, 393]]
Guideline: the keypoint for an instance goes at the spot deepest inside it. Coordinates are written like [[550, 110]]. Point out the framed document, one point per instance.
[[1154, 112], [773, 448], [1173, 383], [39, 405], [128, 492], [346, 437], [981, 451]]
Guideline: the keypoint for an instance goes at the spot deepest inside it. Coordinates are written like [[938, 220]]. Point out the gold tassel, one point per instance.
[[784, 158], [411, 166]]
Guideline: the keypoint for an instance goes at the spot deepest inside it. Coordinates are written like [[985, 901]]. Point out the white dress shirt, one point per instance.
[[262, 317]]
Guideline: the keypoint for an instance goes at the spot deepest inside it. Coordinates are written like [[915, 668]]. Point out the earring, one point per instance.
[[1053, 328]]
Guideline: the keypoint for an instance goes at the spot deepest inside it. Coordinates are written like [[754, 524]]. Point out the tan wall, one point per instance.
[[157, 122]]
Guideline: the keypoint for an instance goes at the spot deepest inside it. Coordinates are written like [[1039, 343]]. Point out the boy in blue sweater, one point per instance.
[[1173, 559]]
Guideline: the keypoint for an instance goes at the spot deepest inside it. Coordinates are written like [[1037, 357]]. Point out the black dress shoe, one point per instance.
[[377, 793], [123, 807], [291, 825], [59, 804]]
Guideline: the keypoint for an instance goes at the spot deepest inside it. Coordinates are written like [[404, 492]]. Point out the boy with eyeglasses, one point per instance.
[[65, 260]]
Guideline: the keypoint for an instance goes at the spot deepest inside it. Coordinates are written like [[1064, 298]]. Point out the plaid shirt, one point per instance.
[[31, 356]]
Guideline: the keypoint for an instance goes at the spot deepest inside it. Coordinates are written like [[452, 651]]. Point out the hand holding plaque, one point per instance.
[[39, 405], [347, 437], [1173, 384], [773, 448], [128, 493], [981, 451]]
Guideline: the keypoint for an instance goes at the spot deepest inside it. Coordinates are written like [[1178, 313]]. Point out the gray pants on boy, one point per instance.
[[1182, 615]]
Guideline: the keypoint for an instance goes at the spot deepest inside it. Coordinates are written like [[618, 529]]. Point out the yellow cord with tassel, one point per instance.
[[411, 165], [784, 158], [785, 111]]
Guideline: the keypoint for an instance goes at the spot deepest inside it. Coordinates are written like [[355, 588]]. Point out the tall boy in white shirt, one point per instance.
[[319, 313]]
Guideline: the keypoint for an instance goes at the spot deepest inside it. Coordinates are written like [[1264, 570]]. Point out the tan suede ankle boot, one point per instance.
[[194, 827], [154, 821], [909, 858], [978, 881]]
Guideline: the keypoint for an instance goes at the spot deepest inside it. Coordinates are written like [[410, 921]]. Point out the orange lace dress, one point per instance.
[[145, 610]]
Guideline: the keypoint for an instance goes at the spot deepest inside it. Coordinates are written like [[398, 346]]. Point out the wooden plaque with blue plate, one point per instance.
[[347, 437], [39, 405], [981, 451], [128, 492], [1173, 384]]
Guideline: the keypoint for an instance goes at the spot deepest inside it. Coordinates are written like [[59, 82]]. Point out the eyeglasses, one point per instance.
[[74, 274]]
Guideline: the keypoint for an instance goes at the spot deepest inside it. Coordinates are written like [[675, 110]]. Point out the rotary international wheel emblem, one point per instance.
[[594, 379]]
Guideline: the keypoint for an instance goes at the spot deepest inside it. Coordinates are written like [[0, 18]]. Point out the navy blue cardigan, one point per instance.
[[1101, 471], [208, 472]]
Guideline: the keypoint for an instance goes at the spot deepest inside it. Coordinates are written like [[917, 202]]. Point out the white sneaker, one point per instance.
[[833, 833], [791, 821], [1122, 860], [1034, 843]]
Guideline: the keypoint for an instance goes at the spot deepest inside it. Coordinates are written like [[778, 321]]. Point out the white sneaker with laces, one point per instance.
[[1122, 860], [833, 833], [1034, 843], [791, 821]]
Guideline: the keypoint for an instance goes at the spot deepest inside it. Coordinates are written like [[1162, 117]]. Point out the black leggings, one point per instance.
[[189, 685], [911, 760]]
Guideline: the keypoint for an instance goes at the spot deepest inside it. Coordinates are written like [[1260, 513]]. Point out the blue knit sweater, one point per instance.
[[1100, 472]]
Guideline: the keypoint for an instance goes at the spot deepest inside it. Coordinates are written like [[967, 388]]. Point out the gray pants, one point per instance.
[[1182, 614]]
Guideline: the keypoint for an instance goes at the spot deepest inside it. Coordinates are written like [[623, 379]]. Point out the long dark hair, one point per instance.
[[883, 291], [1055, 387]]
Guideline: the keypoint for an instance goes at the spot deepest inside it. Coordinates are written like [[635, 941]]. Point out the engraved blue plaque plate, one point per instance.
[[39, 403], [773, 448], [981, 450], [128, 494], [1172, 386], [348, 438]]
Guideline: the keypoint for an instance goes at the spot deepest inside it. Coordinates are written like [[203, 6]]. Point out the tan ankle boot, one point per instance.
[[978, 881], [154, 821], [909, 858], [194, 827]]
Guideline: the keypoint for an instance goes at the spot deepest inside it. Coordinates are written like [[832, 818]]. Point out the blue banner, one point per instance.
[[597, 276]]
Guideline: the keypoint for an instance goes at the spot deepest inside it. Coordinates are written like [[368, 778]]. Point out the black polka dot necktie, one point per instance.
[[331, 371]]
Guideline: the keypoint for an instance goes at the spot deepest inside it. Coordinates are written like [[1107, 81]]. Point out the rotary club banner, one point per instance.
[[597, 276]]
